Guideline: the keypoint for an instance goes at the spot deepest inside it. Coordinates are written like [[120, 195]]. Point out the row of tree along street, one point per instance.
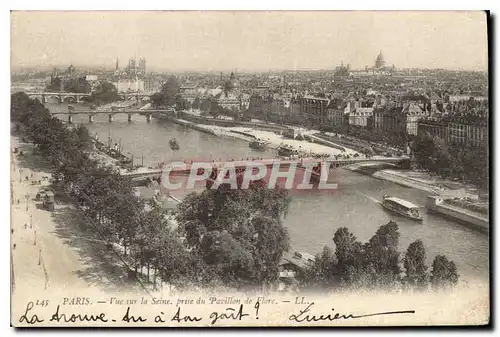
[[225, 237]]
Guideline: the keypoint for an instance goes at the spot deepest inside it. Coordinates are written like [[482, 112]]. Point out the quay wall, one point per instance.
[[232, 123], [386, 175], [189, 124], [461, 215], [328, 143]]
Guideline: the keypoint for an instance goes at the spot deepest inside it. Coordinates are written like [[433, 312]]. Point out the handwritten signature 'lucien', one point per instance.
[[305, 315]]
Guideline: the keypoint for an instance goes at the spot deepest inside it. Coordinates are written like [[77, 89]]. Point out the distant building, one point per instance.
[[229, 101], [71, 70], [380, 68], [315, 109], [433, 127], [462, 133], [361, 117], [342, 72], [458, 98], [132, 69], [263, 89], [129, 85], [91, 78], [380, 61], [142, 66], [400, 118], [152, 84], [336, 110]]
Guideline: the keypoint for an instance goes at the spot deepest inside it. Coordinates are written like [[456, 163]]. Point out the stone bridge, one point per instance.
[[331, 163], [91, 113], [60, 96], [77, 97]]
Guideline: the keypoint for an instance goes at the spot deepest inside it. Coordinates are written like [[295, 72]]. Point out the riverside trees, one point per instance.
[[169, 95], [105, 197], [230, 237], [238, 233], [105, 93], [466, 163], [376, 264]]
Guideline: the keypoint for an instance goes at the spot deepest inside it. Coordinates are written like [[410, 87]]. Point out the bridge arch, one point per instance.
[[69, 99], [37, 96], [122, 112], [52, 97], [85, 98]]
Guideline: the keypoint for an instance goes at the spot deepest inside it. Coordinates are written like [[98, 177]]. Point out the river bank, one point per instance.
[[56, 249], [272, 138], [353, 206], [407, 178]]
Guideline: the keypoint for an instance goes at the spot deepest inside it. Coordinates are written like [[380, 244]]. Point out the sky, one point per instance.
[[249, 40]]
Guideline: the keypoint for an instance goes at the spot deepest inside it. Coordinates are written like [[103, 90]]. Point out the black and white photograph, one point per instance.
[[249, 168]]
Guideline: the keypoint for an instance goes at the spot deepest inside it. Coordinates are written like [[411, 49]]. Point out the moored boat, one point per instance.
[[286, 151], [174, 145], [402, 207], [258, 145]]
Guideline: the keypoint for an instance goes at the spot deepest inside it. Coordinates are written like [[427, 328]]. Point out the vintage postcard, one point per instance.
[[249, 168]]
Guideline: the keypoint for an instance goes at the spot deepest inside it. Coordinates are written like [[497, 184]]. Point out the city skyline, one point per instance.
[[265, 40]]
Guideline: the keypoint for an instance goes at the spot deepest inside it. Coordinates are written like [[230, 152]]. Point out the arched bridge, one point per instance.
[[332, 163], [77, 97], [91, 113], [60, 96]]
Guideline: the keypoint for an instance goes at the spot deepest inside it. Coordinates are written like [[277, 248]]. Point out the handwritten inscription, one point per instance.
[[179, 315], [230, 313], [305, 315], [77, 318], [28, 317]]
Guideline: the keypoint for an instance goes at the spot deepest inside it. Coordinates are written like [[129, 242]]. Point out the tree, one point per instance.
[[237, 232], [56, 84], [78, 84], [414, 265], [382, 255], [196, 103], [323, 273], [444, 273], [107, 198], [349, 255], [168, 95], [84, 136], [105, 93]]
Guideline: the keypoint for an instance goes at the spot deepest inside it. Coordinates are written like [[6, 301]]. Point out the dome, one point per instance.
[[380, 61]]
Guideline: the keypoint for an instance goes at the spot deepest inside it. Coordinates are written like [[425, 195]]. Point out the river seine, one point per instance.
[[313, 218]]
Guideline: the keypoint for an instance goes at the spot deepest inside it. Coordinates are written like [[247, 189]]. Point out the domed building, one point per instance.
[[231, 84], [380, 61]]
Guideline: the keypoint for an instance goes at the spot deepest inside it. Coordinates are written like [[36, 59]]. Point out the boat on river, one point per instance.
[[174, 145], [287, 151], [401, 207], [258, 145]]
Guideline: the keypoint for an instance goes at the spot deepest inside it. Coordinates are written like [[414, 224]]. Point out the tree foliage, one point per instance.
[[169, 95], [226, 237], [237, 232], [444, 272], [376, 264], [105, 93], [414, 265], [105, 196], [77, 84], [466, 163]]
